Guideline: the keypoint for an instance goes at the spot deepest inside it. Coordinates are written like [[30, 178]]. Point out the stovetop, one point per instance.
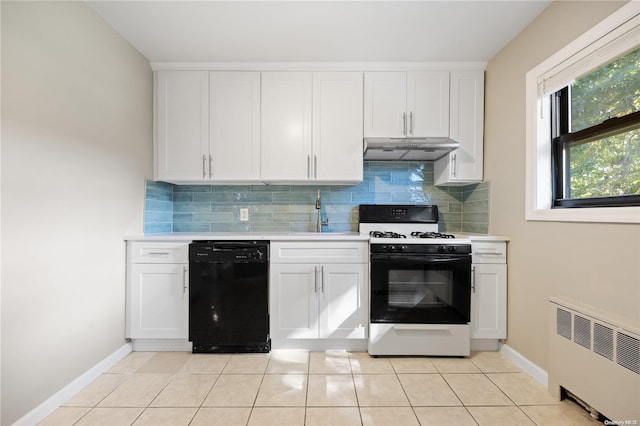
[[413, 234], [401, 224]]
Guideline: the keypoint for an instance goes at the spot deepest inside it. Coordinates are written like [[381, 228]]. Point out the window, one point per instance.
[[583, 126], [595, 134]]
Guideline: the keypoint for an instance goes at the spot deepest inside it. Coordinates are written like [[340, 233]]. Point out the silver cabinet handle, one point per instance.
[[204, 162], [315, 279], [315, 166], [322, 279], [158, 253], [404, 123], [308, 167], [473, 279], [184, 279], [454, 165], [411, 123], [210, 161]]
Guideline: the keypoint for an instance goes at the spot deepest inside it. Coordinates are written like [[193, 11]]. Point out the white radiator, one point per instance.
[[596, 358]]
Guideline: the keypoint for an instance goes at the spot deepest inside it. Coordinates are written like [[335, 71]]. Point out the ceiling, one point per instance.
[[318, 31]]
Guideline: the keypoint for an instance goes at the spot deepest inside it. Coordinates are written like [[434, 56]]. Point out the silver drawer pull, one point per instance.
[[158, 253]]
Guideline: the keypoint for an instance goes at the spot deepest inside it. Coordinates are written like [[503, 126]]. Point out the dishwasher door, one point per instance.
[[228, 296]]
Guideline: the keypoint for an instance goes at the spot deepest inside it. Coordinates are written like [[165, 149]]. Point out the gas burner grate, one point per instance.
[[431, 235], [386, 234]]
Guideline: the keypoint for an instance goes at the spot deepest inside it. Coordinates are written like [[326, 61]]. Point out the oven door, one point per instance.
[[420, 289]]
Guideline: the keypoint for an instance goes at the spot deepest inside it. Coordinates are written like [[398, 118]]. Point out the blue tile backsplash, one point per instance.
[[291, 208]]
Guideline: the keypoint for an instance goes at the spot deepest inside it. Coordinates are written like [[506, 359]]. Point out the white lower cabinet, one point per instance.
[[157, 291], [159, 301], [489, 291], [317, 294]]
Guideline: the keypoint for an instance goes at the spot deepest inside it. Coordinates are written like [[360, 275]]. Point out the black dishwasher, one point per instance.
[[229, 296]]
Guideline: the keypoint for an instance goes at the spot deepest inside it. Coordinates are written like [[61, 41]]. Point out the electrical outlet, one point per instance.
[[244, 215]]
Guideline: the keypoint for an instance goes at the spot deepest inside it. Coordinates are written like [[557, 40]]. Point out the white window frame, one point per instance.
[[598, 46]]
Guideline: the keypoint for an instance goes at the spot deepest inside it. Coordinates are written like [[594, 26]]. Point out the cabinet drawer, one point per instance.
[[489, 251], [159, 252], [320, 252]]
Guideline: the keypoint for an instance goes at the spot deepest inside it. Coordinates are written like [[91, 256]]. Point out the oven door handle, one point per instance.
[[420, 327], [420, 259]]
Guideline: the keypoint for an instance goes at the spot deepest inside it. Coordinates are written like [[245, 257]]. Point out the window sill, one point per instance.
[[598, 214]]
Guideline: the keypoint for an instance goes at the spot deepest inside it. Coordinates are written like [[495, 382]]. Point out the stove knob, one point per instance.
[[392, 248], [402, 248], [385, 247], [441, 249], [452, 249]]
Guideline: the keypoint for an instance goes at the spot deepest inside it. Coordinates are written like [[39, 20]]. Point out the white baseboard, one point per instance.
[[529, 367], [54, 402], [485, 345], [161, 345], [356, 345]]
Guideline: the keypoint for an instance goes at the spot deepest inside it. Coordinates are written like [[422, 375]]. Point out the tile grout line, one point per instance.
[[405, 392], [510, 399], [355, 388]]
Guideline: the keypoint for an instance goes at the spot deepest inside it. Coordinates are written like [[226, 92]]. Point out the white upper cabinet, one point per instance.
[[208, 126], [182, 125], [312, 127], [286, 126], [406, 104], [337, 126], [385, 102], [464, 165], [234, 144], [305, 127]]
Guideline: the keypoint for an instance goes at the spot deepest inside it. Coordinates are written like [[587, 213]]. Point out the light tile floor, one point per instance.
[[314, 388]]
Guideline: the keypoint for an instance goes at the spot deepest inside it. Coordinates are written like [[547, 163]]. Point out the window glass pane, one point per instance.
[[605, 167], [611, 91]]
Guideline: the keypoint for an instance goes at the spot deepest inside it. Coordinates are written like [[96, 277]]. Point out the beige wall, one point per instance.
[[76, 149], [595, 263]]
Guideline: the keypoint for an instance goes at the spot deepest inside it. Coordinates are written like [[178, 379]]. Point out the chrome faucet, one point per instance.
[[319, 221]]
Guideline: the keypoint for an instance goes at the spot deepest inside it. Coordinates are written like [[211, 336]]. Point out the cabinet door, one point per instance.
[[464, 165], [337, 126], [293, 301], [159, 301], [489, 302], [343, 301], [385, 99], [235, 125], [428, 103], [286, 126], [182, 125]]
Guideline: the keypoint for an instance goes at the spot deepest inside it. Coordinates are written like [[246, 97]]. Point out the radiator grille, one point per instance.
[[563, 323], [603, 341], [582, 331], [599, 338], [628, 352]]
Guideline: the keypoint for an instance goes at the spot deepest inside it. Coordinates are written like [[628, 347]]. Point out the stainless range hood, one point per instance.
[[407, 149]]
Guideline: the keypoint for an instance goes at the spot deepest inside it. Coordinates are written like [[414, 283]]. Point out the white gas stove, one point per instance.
[[419, 283]]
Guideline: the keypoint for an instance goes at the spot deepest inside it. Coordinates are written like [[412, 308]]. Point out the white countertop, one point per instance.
[[482, 237], [276, 236], [273, 236]]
